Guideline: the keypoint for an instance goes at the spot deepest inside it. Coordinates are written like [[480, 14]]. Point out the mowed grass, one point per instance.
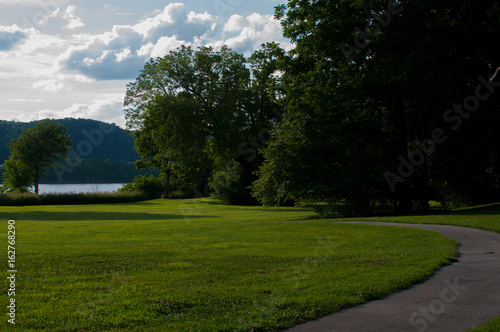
[[198, 265], [486, 217], [491, 326]]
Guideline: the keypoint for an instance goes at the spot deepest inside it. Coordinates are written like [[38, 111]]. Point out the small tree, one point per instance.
[[34, 152]]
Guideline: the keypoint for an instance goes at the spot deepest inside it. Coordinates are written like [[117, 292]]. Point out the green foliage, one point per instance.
[[359, 98], [34, 152], [230, 183], [152, 186], [19, 177], [27, 199], [193, 112]]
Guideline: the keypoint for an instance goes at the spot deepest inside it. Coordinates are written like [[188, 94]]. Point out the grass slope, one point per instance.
[[197, 265]]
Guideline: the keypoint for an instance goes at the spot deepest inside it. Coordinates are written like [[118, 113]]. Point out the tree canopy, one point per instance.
[[33, 153], [193, 110], [381, 104], [367, 91]]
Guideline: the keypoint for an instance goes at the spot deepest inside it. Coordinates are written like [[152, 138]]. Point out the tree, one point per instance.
[[366, 84], [17, 175], [172, 140], [193, 110], [34, 152]]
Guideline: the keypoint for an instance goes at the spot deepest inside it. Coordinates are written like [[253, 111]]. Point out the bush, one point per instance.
[[25, 199], [150, 185]]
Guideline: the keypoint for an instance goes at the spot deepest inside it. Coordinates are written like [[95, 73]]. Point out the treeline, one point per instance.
[[380, 105], [102, 152], [91, 139], [94, 170]]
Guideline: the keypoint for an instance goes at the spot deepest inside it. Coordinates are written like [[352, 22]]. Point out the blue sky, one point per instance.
[[74, 58]]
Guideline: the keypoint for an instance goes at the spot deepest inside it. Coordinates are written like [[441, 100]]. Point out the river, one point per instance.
[[79, 188]]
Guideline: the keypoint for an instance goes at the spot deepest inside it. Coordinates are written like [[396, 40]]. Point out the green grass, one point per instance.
[[491, 326], [486, 217], [197, 265]]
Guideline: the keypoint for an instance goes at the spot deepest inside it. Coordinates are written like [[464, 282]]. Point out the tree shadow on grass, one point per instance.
[[96, 216]]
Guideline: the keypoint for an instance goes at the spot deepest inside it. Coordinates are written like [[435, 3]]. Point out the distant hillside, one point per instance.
[[102, 152], [91, 139]]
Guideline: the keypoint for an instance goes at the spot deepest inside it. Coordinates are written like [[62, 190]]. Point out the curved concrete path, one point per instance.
[[456, 298]]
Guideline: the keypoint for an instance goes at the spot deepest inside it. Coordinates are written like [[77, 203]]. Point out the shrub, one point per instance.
[[25, 199], [150, 185]]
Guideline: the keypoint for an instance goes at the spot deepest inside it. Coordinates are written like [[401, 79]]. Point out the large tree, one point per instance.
[[33, 152], [366, 84], [194, 103]]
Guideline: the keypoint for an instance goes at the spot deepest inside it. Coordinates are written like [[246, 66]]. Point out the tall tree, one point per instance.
[[34, 152], [173, 140], [193, 102], [366, 84]]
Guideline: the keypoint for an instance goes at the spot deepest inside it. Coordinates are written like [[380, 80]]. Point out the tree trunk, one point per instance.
[[37, 180], [167, 186], [403, 192]]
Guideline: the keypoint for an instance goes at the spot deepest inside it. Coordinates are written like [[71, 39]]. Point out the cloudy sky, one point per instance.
[[74, 58]]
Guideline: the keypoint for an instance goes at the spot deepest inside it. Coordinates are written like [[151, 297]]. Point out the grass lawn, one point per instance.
[[197, 265], [485, 217]]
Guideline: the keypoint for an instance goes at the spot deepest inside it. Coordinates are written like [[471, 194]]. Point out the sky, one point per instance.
[[74, 58]]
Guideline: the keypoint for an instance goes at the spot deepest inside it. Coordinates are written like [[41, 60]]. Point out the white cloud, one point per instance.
[[165, 45], [123, 55], [55, 13], [11, 36], [119, 54], [78, 61], [235, 23], [22, 100], [51, 85], [68, 15], [73, 20], [23, 2], [246, 34], [108, 109]]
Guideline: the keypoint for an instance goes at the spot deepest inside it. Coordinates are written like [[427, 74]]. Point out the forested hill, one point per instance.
[[102, 152], [91, 139]]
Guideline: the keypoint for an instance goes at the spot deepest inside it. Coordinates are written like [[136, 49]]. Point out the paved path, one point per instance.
[[456, 298]]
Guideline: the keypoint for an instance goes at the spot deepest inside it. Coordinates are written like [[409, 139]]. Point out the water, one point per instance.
[[79, 188]]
